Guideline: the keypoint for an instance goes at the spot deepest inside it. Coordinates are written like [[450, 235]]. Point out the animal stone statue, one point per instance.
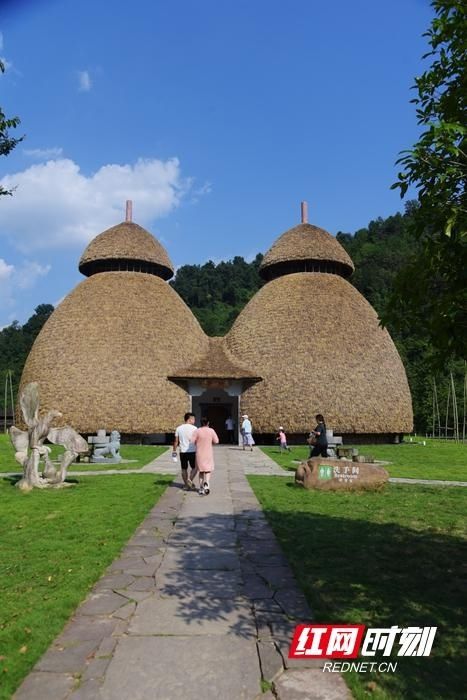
[[108, 452], [29, 444]]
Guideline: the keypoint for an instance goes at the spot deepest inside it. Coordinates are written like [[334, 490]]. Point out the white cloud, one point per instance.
[[43, 153], [5, 270], [14, 278], [85, 82], [27, 275], [201, 192], [55, 205]]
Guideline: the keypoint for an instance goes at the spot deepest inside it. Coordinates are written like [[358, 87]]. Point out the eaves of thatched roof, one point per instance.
[[216, 363], [126, 246], [304, 248]]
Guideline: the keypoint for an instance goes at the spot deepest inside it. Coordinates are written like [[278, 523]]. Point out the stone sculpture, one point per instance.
[[29, 444], [106, 450]]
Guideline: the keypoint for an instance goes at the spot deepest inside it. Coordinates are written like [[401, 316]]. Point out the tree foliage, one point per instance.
[[15, 343], [217, 293], [7, 142], [433, 284]]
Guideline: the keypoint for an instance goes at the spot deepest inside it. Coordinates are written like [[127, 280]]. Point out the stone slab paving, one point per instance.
[[200, 603]]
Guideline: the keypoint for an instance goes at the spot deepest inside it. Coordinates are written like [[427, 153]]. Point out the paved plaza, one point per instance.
[[200, 604]]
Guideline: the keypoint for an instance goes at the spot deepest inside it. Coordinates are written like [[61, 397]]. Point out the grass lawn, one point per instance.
[[142, 453], [395, 557], [438, 459], [54, 545]]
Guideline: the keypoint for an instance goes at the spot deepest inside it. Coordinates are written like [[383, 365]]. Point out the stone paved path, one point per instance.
[[200, 604]]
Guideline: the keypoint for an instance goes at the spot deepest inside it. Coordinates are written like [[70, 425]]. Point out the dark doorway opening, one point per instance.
[[217, 414]]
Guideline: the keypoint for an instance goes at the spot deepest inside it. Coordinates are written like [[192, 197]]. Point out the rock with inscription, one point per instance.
[[340, 475]]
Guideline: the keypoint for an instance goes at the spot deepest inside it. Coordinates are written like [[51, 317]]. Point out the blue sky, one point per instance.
[[217, 117]]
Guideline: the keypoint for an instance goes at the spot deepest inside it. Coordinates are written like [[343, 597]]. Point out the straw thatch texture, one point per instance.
[[316, 342], [305, 242], [104, 355], [217, 363], [126, 241]]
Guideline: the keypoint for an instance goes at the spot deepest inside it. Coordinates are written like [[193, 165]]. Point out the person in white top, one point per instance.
[[183, 436], [246, 433], [230, 426]]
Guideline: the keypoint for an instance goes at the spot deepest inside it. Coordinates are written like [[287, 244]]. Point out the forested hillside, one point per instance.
[[217, 293]]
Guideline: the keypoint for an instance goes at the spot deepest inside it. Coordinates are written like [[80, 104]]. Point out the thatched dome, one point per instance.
[[306, 248], [317, 344], [126, 246], [104, 355]]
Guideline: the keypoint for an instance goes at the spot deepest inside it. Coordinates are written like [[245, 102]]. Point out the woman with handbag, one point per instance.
[[318, 440]]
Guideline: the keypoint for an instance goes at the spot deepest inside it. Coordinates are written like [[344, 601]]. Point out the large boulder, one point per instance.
[[340, 475]]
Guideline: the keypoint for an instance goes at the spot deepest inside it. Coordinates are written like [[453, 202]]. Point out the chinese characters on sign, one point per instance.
[[341, 473], [345, 641]]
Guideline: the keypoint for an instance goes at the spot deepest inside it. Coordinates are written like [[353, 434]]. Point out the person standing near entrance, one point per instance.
[[247, 433], [204, 438], [230, 427], [184, 439]]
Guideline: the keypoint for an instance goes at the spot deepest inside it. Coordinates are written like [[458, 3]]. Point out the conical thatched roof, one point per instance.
[[306, 248], [104, 355], [217, 363], [126, 246], [317, 344]]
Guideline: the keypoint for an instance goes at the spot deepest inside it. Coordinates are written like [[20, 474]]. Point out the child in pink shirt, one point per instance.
[[282, 437]]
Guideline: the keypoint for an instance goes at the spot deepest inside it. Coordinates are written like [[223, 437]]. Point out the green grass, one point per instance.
[[382, 558], [54, 545], [438, 459], [141, 453]]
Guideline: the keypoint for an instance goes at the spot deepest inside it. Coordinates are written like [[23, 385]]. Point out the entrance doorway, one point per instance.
[[217, 405], [217, 414]]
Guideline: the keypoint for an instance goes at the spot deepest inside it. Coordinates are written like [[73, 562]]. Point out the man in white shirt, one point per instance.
[[183, 435], [229, 426]]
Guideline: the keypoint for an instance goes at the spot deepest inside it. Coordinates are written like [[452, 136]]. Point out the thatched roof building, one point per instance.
[[104, 356], [123, 351], [318, 345]]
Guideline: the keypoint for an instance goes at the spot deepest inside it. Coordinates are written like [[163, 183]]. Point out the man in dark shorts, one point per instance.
[[183, 435]]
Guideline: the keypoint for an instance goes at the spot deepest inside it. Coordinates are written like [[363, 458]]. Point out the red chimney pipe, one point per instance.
[[129, 210]]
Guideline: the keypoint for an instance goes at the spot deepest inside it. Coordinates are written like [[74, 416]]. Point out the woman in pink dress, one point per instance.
[[204, 438]]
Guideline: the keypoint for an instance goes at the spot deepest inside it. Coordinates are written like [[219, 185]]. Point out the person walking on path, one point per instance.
[[184, 439], [282, 437], [247, 433], [320, 447], [204, 438], [230, 426]]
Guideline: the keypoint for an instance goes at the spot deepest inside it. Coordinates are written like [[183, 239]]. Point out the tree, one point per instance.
[[7, 142], [15, 343], [431, 288]]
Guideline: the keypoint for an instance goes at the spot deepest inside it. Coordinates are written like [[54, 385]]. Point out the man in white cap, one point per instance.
[[246, 433]]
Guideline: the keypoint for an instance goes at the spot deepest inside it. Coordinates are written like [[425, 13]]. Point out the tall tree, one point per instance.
[[7, 142], [431, 289]]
